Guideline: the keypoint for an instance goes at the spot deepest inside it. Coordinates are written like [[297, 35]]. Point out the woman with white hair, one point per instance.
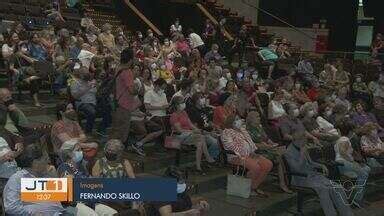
[[350, 167]]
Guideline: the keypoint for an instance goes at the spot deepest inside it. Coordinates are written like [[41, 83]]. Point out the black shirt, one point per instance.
[[183, 203], [201, 117]]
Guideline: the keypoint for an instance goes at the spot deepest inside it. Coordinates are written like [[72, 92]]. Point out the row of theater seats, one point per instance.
[[41, 3]]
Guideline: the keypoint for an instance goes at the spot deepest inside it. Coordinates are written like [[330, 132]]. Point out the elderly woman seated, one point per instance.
[[371, 144], [362, 117], [266, 146], [187, 133], [236, 138], [351, 168], [318, 126], [72, 164], [112, 165]]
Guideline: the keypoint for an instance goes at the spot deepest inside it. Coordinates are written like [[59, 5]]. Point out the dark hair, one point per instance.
[[185, 84], [126, 56], [30, 153], [160, 82], [196, 97], [174, 172], [345, 126]]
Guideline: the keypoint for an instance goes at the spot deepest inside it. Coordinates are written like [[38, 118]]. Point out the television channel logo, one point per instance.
[[46, 189]]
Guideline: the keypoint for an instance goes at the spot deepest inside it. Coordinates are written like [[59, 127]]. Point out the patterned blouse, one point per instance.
[[239, 142]]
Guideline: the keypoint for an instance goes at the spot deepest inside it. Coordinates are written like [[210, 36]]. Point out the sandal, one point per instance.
[[261, 193], [199, 171]]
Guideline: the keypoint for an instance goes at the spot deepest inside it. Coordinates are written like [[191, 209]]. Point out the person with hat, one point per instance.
[[360, 88]]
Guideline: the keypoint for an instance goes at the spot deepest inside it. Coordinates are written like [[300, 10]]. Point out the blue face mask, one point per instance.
[[181, 188], [78, 156]]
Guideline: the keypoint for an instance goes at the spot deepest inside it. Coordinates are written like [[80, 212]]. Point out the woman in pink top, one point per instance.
[[182, 46], [187, 133], [236, 138]]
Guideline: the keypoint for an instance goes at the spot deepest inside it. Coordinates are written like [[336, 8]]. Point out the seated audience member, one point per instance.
[[68, 130], [276, 109], [112, 165], [266, 145], [299, 161], [378, 110], [8, 165], [361, 116], [291, 124], [144, 130], [236, 138], [21, 66], [327, 76], [305, 71], [185, 90], [83, 89], [360, 89], [189, 134], [341, 78], [299, 95], [184, 204], [33, 164], [351, 168], [310, 121], [201, 115], [342, 98], [226, 109], [213, 54], [370, 141], [156, 103], [71, 164]]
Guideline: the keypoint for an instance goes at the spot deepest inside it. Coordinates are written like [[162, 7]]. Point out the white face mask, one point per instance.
[[202, 102], [150, 34], [24, 49], [181, 188], [140, 36], [166, 43], [254, 76], [238, 124], [229, 76], [328, 113], [296, 112], [161, 91], [77, 156], [358, 79], [311, 113], [182, 106]]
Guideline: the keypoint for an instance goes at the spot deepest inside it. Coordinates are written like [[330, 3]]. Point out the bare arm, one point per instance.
[[129, 169]]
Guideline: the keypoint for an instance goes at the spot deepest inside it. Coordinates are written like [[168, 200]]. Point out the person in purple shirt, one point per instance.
[[362, 117]]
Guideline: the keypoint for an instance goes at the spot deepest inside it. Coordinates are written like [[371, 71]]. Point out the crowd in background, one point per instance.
[[183, 91]]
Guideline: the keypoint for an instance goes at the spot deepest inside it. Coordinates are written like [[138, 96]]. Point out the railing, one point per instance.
[[278, 19]]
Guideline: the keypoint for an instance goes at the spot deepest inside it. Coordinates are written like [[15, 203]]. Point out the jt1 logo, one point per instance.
[[46, 185], [46, 189]]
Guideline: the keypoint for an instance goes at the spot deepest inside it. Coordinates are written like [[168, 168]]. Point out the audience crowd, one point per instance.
[[184, 92]]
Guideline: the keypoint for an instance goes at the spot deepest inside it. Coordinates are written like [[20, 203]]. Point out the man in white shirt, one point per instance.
[[156, 100], [195, 40]]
